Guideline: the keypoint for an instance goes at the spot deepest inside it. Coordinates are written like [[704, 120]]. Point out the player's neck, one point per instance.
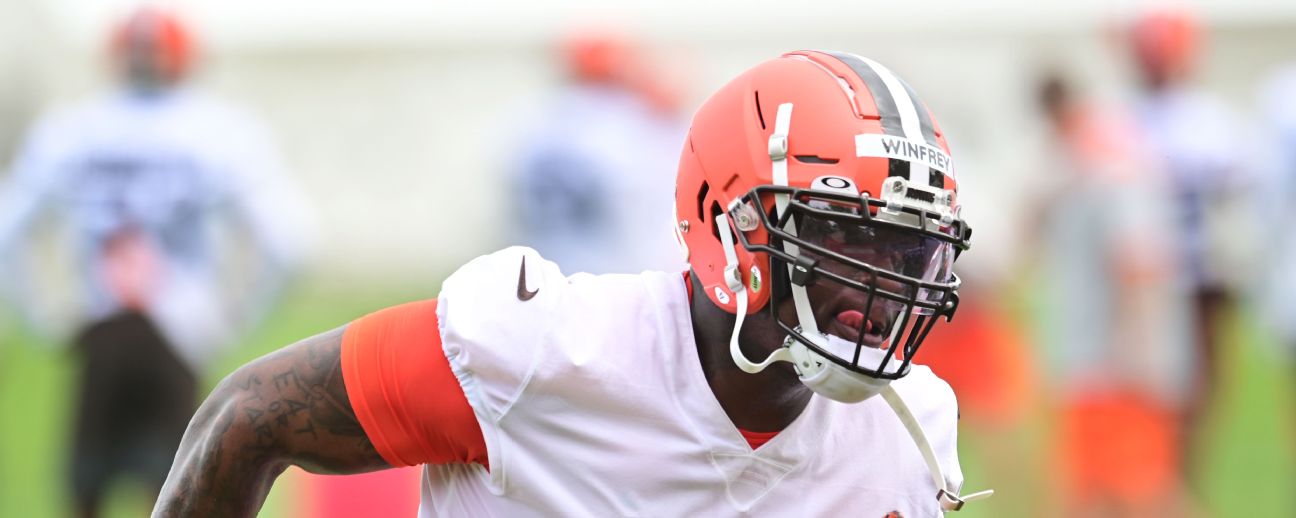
[[764, 402]]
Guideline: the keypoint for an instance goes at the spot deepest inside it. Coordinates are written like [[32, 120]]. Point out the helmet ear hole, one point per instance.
[[701, 201]]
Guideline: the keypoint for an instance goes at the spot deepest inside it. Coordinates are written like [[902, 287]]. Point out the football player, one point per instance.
[[1196, 136], [819, 210], [142, 179], [1115, 311]]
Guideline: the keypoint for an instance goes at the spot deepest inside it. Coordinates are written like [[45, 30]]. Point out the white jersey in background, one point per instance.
[[169, 165], [595, 182], [592, 402], [1278, 289], [1200, 146]]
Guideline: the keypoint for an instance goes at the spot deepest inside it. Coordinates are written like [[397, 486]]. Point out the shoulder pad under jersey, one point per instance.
[[493, 314]]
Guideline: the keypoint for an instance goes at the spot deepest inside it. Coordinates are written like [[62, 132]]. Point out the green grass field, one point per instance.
[[1248, 460], [36, 387]]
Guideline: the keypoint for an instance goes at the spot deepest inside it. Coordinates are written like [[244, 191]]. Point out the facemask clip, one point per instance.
[[803, 271]]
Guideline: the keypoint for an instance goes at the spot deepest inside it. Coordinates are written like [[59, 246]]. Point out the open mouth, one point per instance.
[[847, 325]]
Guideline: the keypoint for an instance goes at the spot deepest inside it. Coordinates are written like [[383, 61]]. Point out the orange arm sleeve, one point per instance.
[[403, 391]]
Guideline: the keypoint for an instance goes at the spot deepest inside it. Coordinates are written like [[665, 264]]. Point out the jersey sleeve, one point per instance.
[[496, 314], [403, 391]]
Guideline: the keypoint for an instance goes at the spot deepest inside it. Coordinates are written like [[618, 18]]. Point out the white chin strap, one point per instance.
[[949, 498], [821, 375], [733, 278]]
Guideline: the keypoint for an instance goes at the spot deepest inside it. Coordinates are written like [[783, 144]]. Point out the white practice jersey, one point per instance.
[[592, 402], [1201, 147], [594, 182], [1278, 293], [171, 165]]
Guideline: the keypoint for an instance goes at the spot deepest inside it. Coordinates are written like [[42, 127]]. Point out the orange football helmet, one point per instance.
[[153, 46], [1165, 43], [824, 167]]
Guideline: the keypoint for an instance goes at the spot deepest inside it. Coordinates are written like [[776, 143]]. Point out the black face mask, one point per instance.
[[890, 270]]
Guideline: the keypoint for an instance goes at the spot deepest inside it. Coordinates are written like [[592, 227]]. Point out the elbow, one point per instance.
[[228, 423], [223, 467], [215, 425]]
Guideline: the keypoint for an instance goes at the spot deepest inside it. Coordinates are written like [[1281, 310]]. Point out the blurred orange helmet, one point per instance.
[[1165, 41], [606, 56], [822, 167], [154, 43], [598, 55]]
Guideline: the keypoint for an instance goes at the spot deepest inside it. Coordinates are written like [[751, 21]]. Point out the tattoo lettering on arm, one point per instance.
[[287, 408]]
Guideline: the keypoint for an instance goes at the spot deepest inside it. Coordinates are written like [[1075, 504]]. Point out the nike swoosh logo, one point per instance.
[[523, 293]]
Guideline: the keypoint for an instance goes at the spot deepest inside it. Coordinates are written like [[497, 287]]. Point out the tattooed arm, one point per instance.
[[287, 408]]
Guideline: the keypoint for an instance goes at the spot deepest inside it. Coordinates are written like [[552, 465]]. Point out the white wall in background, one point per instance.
[[395, 114]]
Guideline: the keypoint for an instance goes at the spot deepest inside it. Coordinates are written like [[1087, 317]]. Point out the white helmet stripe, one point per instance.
[[778, 151], [908, 108]]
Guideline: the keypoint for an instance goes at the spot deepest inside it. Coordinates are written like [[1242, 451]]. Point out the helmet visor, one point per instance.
[[903, 252], [901, 262]]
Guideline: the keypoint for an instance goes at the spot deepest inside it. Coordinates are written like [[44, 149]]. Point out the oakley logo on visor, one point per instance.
[[835, 184]]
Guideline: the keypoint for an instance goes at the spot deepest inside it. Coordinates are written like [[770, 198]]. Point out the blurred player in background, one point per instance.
[[611, 134], [1278, 108], [1198, 142], [1112, 311], [820, 209], [138, 177]]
